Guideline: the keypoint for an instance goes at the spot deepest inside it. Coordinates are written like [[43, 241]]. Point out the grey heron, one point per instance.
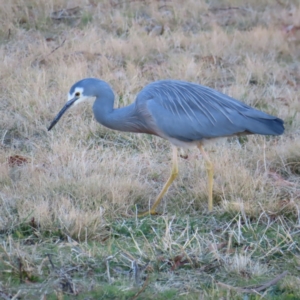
[[187, 114]]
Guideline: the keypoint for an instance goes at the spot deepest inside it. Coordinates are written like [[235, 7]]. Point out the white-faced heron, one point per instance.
[[186, 114]]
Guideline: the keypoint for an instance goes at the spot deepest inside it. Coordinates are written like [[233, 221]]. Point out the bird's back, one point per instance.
[[191, 112]]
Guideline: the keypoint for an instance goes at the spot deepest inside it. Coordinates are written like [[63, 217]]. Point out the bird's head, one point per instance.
[[79, 92]]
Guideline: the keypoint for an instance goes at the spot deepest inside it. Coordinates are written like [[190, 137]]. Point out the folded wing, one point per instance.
[[192, 112]]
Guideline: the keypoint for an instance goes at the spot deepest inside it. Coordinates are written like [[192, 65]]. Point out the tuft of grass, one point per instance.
[[155, 256]]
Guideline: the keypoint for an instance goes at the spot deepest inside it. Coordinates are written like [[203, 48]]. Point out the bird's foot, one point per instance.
[[149, 212]]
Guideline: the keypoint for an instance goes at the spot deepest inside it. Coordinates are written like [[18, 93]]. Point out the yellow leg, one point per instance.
[[210, 173], [173, 175]]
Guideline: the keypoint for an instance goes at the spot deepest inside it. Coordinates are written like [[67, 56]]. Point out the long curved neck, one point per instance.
[[119, 119]]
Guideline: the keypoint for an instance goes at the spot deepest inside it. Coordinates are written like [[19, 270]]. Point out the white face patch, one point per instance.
[[81, 97]]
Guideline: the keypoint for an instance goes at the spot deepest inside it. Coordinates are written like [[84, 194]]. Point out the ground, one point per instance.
[[69, 197]]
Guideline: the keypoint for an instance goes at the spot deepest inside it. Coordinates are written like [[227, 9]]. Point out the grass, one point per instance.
[[69, 197], [189, 255]]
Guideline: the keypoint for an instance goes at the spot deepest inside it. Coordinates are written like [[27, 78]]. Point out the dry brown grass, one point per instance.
[[81, 176]]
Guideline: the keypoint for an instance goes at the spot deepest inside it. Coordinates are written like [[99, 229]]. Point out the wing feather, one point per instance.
[[188, 112]]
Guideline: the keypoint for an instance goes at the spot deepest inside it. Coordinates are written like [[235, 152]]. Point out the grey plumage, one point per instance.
[[184, 113], [202, 113], [181, 110]]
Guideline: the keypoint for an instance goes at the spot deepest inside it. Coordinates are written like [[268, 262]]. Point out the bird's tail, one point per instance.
[[267, 126]]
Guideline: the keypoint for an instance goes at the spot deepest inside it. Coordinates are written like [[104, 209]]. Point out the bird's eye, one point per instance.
[[77, 94]]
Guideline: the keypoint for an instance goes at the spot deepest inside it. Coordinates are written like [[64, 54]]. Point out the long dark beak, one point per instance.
[[63, 110]]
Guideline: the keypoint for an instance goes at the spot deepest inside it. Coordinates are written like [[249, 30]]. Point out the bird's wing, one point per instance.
[[191, 112]]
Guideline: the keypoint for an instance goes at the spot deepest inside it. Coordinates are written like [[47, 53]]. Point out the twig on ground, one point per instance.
[[108, 259], [254, 289], [50, 260], [16, 295], [142, 289], [136, 272], [59, 46], [20, 269], [42, 61]]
